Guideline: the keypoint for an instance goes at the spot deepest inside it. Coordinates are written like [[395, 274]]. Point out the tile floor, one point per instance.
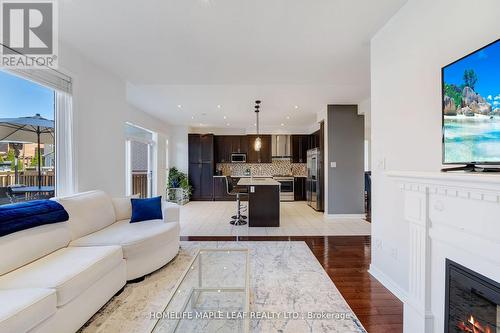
[[211, 218]]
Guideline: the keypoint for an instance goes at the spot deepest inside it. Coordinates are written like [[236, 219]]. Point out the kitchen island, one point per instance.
[[263, 201]]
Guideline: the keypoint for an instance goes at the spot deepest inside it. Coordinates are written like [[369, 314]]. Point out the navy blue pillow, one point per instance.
[[30, 214], [146, 209]]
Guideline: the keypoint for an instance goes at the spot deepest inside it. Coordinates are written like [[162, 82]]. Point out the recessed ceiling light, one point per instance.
[[225, 117], [296, 106], [282, 124], [192, 117], [287, 117], [179, 106], [219, 106]]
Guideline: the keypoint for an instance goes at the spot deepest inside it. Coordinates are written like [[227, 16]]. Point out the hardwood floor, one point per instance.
[[346, 259]]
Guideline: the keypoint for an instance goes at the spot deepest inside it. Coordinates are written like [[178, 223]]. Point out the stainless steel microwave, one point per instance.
[[238, 158]]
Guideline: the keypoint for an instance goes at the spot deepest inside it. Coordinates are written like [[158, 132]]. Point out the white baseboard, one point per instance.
[[345, 216], [388, 283]]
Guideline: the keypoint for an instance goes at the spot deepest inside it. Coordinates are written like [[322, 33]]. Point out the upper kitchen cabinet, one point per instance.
[[225, 145], [262, 156], [241, 145], [207, 147], [194, 148], [314, 140], [201, 148], [266, 150], [300, 145], [222, 147]]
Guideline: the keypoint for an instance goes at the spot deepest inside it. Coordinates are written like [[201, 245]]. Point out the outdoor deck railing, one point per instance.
[[28, 178], [140, 183]]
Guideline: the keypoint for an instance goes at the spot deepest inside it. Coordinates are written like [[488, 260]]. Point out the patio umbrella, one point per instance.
[[28, 129]]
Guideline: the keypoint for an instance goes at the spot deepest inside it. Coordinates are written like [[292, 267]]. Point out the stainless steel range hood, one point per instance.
[[281, 147]]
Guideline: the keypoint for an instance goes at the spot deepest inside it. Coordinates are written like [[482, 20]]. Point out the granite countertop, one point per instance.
[[235, 176], [259, 176], [257, 181]]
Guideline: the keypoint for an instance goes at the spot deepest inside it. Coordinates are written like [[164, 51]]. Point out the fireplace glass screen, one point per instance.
[[472, 301]]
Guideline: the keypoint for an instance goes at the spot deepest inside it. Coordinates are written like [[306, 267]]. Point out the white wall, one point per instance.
[[100, 112], [406, 57], [178, 148]]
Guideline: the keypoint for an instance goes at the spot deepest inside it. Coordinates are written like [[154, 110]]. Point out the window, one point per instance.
[[140, 161], [35, 135]]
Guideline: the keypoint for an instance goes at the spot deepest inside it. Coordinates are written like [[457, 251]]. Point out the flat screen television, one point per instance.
[[471, 108]]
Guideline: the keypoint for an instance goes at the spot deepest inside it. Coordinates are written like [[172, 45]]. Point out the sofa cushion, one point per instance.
[[23, 247], [23, 309], [146, 209], [123, 207], [69, 271], [30, 214], [133, 237], [88, 212]]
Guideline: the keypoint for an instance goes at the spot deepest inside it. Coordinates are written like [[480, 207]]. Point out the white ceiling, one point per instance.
[[204, 53]]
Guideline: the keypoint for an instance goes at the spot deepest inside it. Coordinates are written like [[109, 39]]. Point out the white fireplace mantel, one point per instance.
[[449, 215]]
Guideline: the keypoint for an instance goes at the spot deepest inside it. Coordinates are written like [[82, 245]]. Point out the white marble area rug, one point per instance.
[[284, 277]]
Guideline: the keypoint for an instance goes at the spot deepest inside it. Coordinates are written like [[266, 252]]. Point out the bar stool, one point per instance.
[[237, 219]]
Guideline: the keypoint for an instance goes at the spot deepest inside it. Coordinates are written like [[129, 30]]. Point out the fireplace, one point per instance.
[[472, 302]]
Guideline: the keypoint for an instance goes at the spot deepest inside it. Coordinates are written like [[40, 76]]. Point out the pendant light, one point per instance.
[[258, 141]]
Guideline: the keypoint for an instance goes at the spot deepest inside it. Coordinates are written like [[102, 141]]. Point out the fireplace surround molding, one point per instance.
[[449, 216]]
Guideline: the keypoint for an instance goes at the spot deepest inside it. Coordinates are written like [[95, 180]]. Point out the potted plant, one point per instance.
[[178, 188]]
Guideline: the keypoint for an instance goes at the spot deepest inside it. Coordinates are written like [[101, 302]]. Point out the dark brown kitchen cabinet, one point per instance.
[[220, 190], [225, 145], [239, 144], [200, 148], [201, 165], [299, 188], [300, 145], [266, 150], [243, 144], [222, 146], [262, 156], [314, 140]]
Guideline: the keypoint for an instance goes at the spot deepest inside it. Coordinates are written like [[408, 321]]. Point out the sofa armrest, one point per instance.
[[171, 212]]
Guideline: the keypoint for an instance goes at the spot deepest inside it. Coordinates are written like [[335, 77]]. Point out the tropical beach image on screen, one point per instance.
[[471, 107]]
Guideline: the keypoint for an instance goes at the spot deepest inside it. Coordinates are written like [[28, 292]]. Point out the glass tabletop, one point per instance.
[[211, 296]]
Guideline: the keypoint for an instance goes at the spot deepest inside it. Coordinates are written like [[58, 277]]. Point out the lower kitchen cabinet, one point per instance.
[[201, 179], [299, 190], [220, 190]]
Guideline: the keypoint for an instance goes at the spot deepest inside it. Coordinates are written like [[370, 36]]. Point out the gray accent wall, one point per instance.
[[346, 148]]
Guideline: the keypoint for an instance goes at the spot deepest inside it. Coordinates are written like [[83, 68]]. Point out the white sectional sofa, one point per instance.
[[54, 277]]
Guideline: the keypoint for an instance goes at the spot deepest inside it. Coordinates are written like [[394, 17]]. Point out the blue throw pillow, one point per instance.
[[146, 209]]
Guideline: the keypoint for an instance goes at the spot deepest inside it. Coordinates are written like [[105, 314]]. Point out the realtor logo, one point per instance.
[[28, 33]]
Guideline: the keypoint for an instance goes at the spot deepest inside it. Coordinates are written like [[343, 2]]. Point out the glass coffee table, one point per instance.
[[211, 296]]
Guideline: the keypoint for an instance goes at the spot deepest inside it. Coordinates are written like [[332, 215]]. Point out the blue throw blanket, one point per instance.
[[30, 214]]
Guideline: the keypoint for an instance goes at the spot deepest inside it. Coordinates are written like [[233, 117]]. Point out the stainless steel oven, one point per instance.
[[238, 158], [286, 188]]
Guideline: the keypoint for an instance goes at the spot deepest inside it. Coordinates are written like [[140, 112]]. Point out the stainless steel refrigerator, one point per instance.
[[313, 182]]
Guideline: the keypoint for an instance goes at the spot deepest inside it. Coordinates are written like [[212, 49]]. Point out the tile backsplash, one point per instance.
[[263, 169]]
